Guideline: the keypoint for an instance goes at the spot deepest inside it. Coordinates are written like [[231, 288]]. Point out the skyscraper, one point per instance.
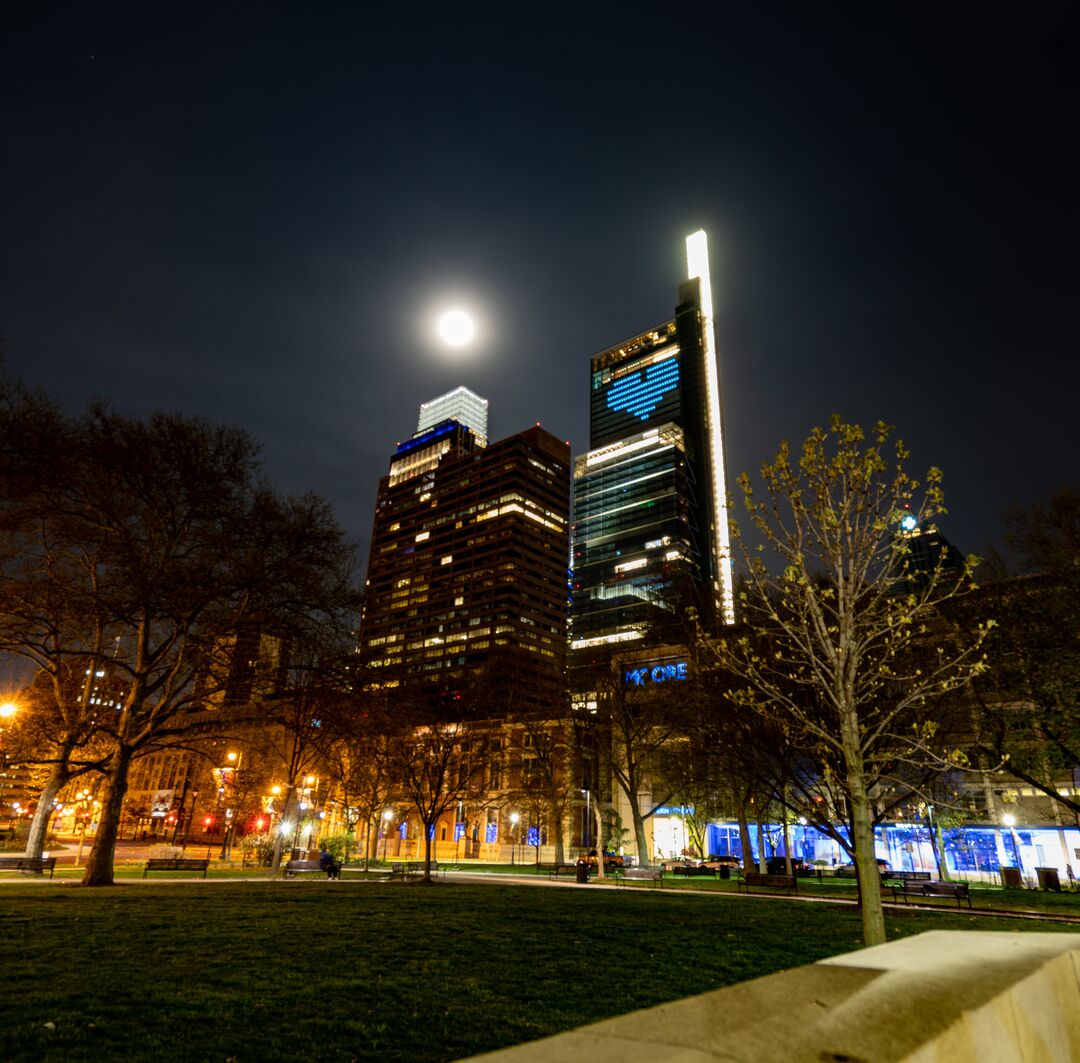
[[461, 405], [650, 506], [468, 565]]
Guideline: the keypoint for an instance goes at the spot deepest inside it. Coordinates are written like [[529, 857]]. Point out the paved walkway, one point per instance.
[[132, 877]]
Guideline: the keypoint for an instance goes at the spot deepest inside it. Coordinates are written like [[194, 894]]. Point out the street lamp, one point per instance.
[[459, 829], [388, 814], [8, 711], [1010, 821], [514, 817]]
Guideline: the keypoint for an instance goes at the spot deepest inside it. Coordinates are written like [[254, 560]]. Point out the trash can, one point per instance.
[[582, 871], [725, 871], [1048, 878], [1010, 878]]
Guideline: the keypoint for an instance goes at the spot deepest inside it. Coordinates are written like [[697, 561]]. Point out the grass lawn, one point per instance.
[[265, 970]]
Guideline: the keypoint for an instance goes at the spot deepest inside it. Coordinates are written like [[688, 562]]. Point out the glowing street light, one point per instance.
[[388, 814], [1009, 820], [514, 817]]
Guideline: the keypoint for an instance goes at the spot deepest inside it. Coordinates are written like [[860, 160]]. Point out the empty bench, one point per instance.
[[37, 864], [959, 891], [175, 863], [768, 882], [651, 875], [555, 870], [893, 877], [414, 869], [692, 870]]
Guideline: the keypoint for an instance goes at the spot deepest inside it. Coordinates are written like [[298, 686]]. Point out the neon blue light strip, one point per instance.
[[440, 430]]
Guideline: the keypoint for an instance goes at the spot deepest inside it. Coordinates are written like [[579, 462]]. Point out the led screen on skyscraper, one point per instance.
[[636, 386]]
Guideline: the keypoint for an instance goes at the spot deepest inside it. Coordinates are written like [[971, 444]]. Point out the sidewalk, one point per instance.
[[129, 875]]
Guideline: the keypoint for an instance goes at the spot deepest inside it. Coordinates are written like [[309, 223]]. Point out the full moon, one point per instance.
[[456, 328]]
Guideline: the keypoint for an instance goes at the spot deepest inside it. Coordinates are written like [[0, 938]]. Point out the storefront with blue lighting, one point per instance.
[[977, 853]]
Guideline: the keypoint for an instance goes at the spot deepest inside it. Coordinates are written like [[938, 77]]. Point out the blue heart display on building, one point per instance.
[[640, 393]]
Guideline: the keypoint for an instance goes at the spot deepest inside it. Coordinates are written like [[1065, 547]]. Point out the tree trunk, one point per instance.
[[39, 825], [427, 851], [599, 842], [761, 857], [556, 819], [787, 840], [862, 835], [639, 833], [937, 843], [744, 838], [99, 867], [279, 841]]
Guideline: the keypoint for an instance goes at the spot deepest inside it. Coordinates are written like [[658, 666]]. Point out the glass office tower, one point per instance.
[[650, 513]]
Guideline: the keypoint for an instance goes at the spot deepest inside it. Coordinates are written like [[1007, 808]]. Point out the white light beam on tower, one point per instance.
[[697, 265]]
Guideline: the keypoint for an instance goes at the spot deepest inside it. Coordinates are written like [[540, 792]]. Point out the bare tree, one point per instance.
[[435, 763], [147, 552]]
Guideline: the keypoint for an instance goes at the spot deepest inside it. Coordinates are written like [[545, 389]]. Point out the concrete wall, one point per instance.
[[939, 997]]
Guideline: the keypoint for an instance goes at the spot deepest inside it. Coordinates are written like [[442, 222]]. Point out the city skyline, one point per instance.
[[259, 227]]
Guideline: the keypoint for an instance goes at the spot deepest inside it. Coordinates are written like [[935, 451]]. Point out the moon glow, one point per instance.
[[456, 328]]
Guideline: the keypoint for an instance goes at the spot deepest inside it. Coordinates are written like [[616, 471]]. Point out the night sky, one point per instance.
[[252, 216]]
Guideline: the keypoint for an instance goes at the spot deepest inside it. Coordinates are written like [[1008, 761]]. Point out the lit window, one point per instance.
[[447, 560], [422, 536]]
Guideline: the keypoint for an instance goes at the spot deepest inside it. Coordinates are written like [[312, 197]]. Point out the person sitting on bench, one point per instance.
[[329, 864]]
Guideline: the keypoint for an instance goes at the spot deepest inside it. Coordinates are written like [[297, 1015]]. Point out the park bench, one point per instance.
[[693, 870], [414, 869], [306, 867], [652, 875], [38, 864], [175, 863], [555, 870], [769, 882], [889, 877], [960, 891]]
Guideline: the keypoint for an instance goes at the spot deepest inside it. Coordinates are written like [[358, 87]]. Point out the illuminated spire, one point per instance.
[[697, 263]]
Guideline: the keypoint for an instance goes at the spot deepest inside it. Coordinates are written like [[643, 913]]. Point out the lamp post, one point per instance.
[[586, 834], [309, 804], [388, 815], [272, 811], [459, 829], [514, 817], [82, 799], [1010, 821], [7, 712]]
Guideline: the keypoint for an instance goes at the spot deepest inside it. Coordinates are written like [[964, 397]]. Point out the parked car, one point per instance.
[[777, 865], [611, 860], [717, 862], [848, 870]]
